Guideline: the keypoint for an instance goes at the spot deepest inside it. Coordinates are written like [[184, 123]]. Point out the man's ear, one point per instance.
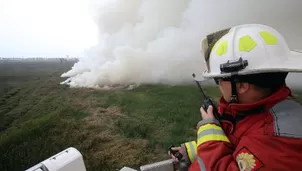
[[242, 87]]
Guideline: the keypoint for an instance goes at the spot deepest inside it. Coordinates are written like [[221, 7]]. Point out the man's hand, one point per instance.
[[175, 149], [207, 115]]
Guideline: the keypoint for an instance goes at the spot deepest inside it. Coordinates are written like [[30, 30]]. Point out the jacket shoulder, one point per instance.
[[287, 116]]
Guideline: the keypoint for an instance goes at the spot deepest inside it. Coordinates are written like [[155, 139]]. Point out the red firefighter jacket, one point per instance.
[[266, 135]]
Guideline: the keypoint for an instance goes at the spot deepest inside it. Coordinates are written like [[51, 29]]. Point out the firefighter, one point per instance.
[[259, 125]]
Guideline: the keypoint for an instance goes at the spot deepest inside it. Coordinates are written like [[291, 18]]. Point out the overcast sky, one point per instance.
[[52, 28], [45, 28]]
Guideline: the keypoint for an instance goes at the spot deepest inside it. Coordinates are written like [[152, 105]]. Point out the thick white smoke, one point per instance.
[[158, 41]]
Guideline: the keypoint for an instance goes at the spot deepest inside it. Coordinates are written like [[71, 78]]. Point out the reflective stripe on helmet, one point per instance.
[[246, 43], [269, 38]]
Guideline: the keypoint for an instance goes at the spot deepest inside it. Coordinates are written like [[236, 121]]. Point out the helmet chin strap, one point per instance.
[[233, 67], [234, 97]]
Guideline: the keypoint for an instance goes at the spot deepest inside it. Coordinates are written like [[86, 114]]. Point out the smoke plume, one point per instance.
[[158, 41]]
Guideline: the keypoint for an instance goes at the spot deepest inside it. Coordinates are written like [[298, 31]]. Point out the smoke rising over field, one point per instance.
[[158, 41]]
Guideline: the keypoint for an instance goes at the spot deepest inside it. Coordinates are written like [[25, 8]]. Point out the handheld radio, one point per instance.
[[175, 153], [207, 101]]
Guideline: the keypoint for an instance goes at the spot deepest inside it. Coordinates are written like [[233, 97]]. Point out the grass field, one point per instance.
[[116, 128]]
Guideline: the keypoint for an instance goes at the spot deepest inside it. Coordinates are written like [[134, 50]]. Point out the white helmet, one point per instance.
[[248, 49]]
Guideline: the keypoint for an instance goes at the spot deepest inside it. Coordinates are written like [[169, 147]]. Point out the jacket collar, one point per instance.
[[253, 108]]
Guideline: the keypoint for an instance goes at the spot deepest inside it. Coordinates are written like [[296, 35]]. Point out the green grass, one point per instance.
[[112, 129], [39, 118]]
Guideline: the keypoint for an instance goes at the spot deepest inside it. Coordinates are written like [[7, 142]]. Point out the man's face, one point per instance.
[[225, 89], [243, 90]]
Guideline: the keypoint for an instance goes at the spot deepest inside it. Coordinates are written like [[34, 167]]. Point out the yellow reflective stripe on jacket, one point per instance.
[[191, 150], [208, 126], [210, 132]]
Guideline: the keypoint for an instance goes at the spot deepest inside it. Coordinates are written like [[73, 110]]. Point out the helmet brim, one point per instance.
[[292, 65]]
